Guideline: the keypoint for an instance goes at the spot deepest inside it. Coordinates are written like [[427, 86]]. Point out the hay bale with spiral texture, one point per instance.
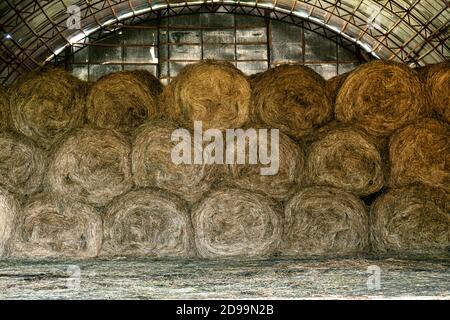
[[123, 100], [9, 212], [414, 219], [4, 109], [91, 165], [334, 85], [292, 98], [420, 153], [235, 222], [345, 158], [325, 221], [438, 87], [47, 104], [380, 97], [148, 222], [213, 92], [54, 226], [289, 159], [152, 164], [22, 164]]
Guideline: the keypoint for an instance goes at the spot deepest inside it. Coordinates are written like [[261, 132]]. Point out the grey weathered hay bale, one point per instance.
[[292, 98], [325, 221], [414, 219], [334, 84], [235, 222], [4, 109], [213, 92], [148, 222], [380, 97], [346, 158], [54, 226], [280, 186], [438, 89], [9, 211], [152, 165], [123, 100], [47, 104], [91, 165], [420, 153], [22, 164]]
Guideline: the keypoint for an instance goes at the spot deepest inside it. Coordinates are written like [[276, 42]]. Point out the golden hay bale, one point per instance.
[[345, 158], [420, 153], [281, 186], [334, 85], [47, 104], [213, 92], [380, 97], [53, 226], [123, 100], [148, 223], [4, 109], [152, 164], [91, 165], [438, 87], [292, 98], [22, 164], [414, 219], [325, 221], [9, 211], [235, 222]]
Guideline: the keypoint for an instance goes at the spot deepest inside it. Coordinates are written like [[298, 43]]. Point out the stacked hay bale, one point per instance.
[[437, 84], [110, 186], [4, 109]]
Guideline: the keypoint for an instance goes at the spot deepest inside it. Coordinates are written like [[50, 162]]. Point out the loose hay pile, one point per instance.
[[420, 153], [22, 164], [289, 160], [234, 222], [4, 109], [9, 212], [147, 223], [293, 99], [381, 97], [413, 219], [152, 164], [438, 87], [47, 104], [213, 92], [53, 226], [123, 100], [91, 165], [325, 221], [345, 158]]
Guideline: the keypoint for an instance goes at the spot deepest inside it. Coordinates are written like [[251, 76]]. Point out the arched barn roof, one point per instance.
[[413, 31]]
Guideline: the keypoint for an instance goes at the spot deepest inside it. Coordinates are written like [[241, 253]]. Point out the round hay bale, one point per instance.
[[420, 153], [325, 221], [9, 211], [91, 165], [281, 186], [380, 97], [437, 85], [147, 223], [123, 100], [292, 98], [4, 109], [414, 219], [213, 92], [47, 104], [152, 164], [345, 158], [236, 222], [334, 85], [54, 226], [22, 164]]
